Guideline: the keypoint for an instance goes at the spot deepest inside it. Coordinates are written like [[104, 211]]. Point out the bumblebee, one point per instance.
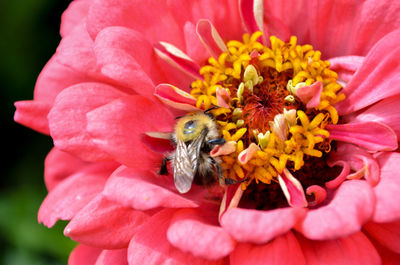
[[194, 136]]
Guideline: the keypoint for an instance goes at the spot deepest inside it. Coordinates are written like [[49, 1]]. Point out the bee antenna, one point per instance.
[[177, 118], [210, 109]]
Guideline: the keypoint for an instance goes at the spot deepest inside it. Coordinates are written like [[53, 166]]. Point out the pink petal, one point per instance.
[[333, 184], [387, 234], [358, 159], [223, 14], [355, 249], [346, 66], [60, 165], [374, 136], [117, 126], [84, 255], [113, 257], [175, 97], [150, 244], [387, 191], [210, 37], [225, 149], [248, 153], [33, 114], [194, 48], [191, 232], [223, 97], [292, 189], [67, 118], [385, 111], [73, 16], [295, 24], [143, 190], [137, 16], [76, 52], [351, 206], [388, 257], [105, 224], [282, 250], [125, 56], [259, 227], [74, 193], [178, 59], [251, 12], [347, 27], [375, 78], [274, 26], [157, 144], [310, 95], [318, 192], [232, 195], [54, 78]]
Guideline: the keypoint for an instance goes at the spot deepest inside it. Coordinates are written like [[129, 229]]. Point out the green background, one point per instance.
[[29, 35]]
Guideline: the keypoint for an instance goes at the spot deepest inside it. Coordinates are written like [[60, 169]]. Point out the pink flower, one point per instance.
[[125, 69]]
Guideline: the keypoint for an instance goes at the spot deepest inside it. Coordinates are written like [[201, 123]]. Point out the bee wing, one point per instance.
[[186, 163]]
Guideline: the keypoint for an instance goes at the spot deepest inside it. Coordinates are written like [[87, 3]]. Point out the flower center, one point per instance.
[[274, 104]]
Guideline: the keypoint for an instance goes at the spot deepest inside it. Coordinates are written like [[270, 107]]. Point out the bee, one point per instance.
[[194, 136]]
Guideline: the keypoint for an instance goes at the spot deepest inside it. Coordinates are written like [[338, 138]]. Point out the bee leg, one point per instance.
[[217, 167], [218, 141], [163, 168]]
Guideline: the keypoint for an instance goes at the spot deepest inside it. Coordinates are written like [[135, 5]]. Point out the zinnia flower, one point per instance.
[[307, 96]]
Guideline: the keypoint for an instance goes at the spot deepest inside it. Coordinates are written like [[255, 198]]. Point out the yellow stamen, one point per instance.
[[287, 142]]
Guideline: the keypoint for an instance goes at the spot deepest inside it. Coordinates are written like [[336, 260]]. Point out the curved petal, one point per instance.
[[319, 194], [175, 97], [105, 224], [74, 15], [60, 165], [333, 184], [387, 234], [374, 136], [260, 226], [150, 245], [141, 190], [310, 95], [292, 189], [252, 14], [191, 232], [131, 55], [346, 66], [210, 38], [385, 111], [67, 118], [113, 257], [126, 119], [74, 193], [177, 59], [194, 48], [282, 250], [355, 249], [357, 159], [376, 79], [84, 255], [352, 205], [387, 191], [33, 114]]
